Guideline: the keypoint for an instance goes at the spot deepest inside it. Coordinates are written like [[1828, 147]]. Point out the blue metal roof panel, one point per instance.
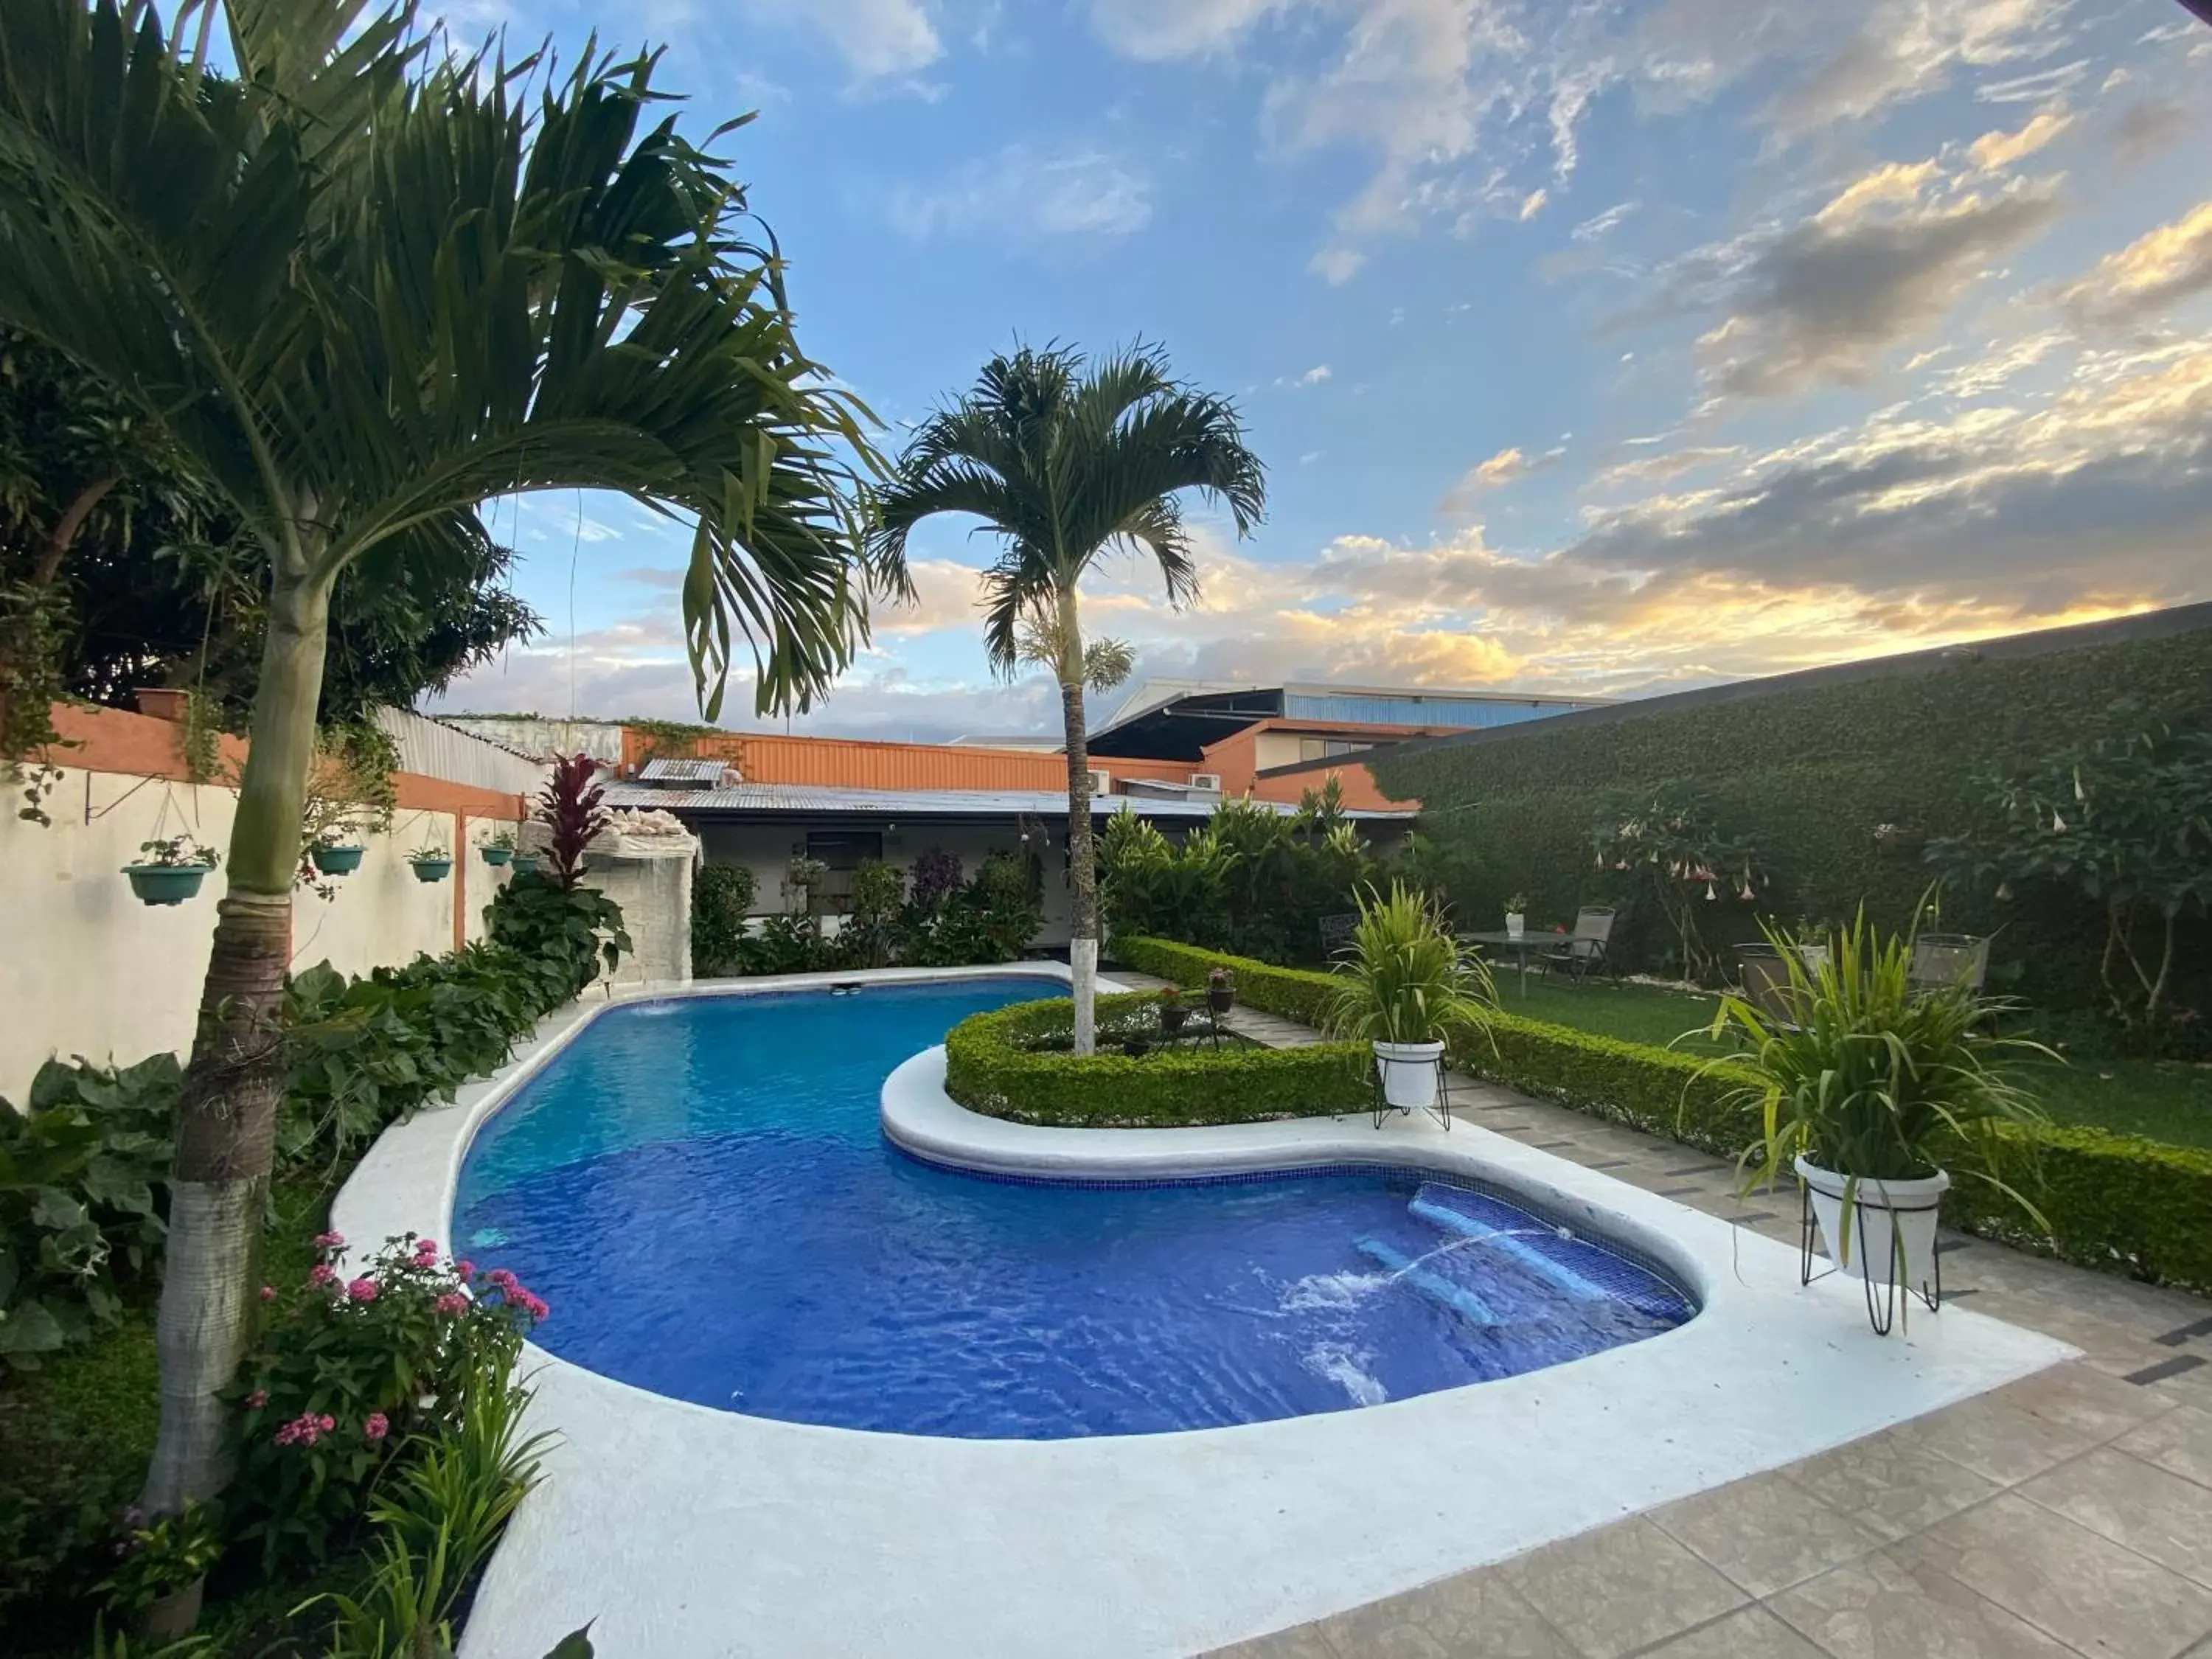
[[1368, 708], [916, 803]]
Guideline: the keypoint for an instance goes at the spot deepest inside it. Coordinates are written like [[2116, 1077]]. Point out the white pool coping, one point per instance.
[[687, 1533]]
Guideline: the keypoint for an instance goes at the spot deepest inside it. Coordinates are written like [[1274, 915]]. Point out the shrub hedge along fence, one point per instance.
[[990, 1068], [1807, 774], [2114, 1202]]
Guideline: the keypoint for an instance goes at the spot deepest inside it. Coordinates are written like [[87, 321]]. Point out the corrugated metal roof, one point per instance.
[[433, 749], [916, 803], [706, 772]]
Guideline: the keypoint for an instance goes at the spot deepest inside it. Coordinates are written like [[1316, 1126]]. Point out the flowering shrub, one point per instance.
[[352, 1372]]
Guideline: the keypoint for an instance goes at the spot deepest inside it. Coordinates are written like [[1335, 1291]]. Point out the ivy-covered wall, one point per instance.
[[1808, 773]]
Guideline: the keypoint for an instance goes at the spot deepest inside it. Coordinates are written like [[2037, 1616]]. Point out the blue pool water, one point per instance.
[[700, 1190]]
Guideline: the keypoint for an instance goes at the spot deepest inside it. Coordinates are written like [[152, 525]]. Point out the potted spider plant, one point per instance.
[[1516, 914], [1404, 986], [498, 847], [1173, 1014], [1877, 1095], [170, 872], [430, 862]]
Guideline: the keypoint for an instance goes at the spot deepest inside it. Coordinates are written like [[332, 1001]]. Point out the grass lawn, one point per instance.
[[2163, 1100]]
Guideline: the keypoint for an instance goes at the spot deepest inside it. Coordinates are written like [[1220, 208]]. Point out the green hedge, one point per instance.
[[1807, 774], [2114, 1202], [988, 1068]]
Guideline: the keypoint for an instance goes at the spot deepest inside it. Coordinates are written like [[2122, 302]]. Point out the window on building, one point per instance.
[[1313, 749], [844, 852]]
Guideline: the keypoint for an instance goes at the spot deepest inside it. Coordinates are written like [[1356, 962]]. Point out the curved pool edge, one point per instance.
[[689, 1533], [923, 1120]]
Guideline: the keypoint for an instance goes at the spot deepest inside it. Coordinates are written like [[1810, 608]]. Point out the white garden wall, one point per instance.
[[88, 969]]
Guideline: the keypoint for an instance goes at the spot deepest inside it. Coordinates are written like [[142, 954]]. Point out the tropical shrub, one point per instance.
[[348, 1373], [363, 1053], [568, 806], [991, 918], [160, 1556], [721, 900], [871, 925], [83, 1169], [2123, 820], [787, 943], [1250, 880], [1869, 1076], [1667, 841], [436, 1521]]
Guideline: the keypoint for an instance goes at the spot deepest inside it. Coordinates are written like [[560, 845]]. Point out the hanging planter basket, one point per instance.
[[428, 870], [528, 863], [338, 861], [496, 854], [166, 883]]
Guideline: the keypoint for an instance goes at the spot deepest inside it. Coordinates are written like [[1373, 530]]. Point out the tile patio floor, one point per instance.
[[2068, 1514]]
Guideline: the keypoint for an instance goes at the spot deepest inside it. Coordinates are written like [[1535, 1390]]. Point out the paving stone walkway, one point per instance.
[[2068, 1514]]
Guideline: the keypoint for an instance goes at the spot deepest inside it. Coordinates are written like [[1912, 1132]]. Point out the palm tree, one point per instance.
[[1065, 461], [363, 285]]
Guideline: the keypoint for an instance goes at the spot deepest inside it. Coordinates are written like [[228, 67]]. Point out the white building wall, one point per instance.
[[90, 970]]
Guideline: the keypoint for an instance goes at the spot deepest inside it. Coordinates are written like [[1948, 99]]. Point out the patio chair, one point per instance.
[[1943, 961], [1587, 950], [1336, 932], [1765, 975]]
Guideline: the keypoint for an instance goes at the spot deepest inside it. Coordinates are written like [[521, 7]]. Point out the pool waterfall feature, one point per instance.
[[700, 1188]]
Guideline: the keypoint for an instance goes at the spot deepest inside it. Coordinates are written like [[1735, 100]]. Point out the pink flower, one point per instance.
[[257, 1399], [362, 1290], [321, 1274], [375, 1428], [427, 1247], [304, 1430], [504, 1278], [465, 1268], [451, 1303], [327, 1422], [268, 1292], [330, 1240]]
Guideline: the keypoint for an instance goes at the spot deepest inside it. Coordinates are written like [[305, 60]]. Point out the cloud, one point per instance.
[[1029, 196], [667, 579], [1336, 265], [1532, 203], [948, 594], [1882, 261], [1313, 376], [1600, 224], [2153, 272], [876, 37], [1506, 466], [1662, 468], [1154, 30], [1994, 150]]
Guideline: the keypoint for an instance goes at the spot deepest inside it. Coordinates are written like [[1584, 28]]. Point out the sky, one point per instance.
[[1610, 346]]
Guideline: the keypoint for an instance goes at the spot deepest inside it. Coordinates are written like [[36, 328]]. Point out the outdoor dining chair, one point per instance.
[[1943, 961], [1586, 951]]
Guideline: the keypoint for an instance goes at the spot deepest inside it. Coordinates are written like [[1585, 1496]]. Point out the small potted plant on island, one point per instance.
[[1867, 1088], [498, 847], [170, 872], [1516, 914], [1172, 1012], [1405, 987], [430, 862], [1220, 992]]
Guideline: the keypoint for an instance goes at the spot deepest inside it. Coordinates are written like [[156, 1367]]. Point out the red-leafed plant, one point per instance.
[[570, 808]]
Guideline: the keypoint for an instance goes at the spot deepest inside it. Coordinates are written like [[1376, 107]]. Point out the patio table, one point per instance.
[[1520, 944]]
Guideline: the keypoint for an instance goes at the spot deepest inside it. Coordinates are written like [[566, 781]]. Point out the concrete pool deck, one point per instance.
[[682, 1530]]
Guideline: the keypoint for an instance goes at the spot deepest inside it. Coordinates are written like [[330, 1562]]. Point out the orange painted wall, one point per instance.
[[857, 764]]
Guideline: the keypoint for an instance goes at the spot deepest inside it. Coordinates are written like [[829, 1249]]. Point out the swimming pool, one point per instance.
[[699, 1188]]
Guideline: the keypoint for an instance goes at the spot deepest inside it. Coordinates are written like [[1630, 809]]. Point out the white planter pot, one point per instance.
[[1516, 923], [1815, 957], [1409, 1072], [1885, 1214]]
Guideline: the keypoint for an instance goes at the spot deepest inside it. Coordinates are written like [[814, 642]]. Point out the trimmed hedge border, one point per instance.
[[987, 1070], [2119, 1203]]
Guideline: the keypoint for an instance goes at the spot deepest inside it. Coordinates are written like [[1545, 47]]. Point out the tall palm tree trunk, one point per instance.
[[1082, 850], [227, 1122]]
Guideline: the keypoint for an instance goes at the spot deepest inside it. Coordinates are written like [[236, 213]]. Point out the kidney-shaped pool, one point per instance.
[[699, 1188]]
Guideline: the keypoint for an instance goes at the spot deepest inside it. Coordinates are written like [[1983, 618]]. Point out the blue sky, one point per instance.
[[1590, 343]]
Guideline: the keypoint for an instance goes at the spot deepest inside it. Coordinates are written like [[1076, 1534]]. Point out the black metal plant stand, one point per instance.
[[1881, 1311], [1440, 1108]]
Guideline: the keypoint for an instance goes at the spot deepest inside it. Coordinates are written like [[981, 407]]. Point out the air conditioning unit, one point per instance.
[[1101, 783], [1207, 781]]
